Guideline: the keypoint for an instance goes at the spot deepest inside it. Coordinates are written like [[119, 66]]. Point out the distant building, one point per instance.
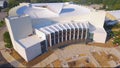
[[3, 3], [115, 14], [34, 28]]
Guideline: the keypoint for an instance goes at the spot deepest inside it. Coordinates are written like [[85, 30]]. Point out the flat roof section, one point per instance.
[[30, 41]]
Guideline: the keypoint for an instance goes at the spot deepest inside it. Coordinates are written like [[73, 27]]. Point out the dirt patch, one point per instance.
[[108, 44], [104, 58]]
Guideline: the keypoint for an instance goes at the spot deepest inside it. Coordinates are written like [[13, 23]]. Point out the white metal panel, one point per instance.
[[100, 35], [80, 25]]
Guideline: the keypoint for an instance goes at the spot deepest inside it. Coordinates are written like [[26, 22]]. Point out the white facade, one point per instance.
[[36, 27], [115, 13]]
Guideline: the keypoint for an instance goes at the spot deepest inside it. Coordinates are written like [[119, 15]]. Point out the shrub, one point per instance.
[[2, 23], [116, 26], [117, 38], [7, 40]]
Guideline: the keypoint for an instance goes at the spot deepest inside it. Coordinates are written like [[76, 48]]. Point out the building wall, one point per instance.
[[21, 50], [7, 21], [78, 33], [100, 37], [40, 34], [96, 18], [21, 27], [33, 51]]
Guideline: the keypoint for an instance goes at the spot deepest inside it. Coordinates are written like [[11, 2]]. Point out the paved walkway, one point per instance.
[[3, 61]]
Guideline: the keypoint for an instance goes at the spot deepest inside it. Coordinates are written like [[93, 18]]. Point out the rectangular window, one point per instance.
[[43, 46], [76, 33], [84, 33], [48, 40], [52, 41], [52, 35], [56, 39], [72, 33], [60, 33], [64, 35], [60, 39], [68, 34], [56, 34], [80, 33]]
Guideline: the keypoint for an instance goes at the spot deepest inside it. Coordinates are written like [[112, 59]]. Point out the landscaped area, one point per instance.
[[2, 23], [113, 33], [116, 34], [7, 40]]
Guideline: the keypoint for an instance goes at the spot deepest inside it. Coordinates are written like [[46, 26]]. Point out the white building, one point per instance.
[[36, 27], [3, 4], [116, 14]]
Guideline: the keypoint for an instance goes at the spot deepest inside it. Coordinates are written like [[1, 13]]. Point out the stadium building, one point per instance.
[[35, 28]]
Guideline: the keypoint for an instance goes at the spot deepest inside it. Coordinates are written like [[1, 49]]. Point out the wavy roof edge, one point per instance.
[[13, 11]]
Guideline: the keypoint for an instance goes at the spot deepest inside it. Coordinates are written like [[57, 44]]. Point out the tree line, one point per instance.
[[108, 4]]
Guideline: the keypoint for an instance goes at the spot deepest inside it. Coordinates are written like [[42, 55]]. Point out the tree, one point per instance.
[[7, 40], [12, 3], [2, 23]]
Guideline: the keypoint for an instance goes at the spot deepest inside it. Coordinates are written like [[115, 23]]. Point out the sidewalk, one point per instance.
[[8, 57]]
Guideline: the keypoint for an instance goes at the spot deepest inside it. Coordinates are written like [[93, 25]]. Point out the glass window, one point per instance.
[[43, 46], [76, 33], [52, 41], [80, 33], [84, 33], [60, 39], [48, 40], [56, 40]]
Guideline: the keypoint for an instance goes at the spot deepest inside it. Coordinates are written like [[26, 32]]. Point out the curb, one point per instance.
[[11, 60]]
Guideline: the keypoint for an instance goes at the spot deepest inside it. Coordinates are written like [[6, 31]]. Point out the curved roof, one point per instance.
[[48, 10], [45, 14]]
